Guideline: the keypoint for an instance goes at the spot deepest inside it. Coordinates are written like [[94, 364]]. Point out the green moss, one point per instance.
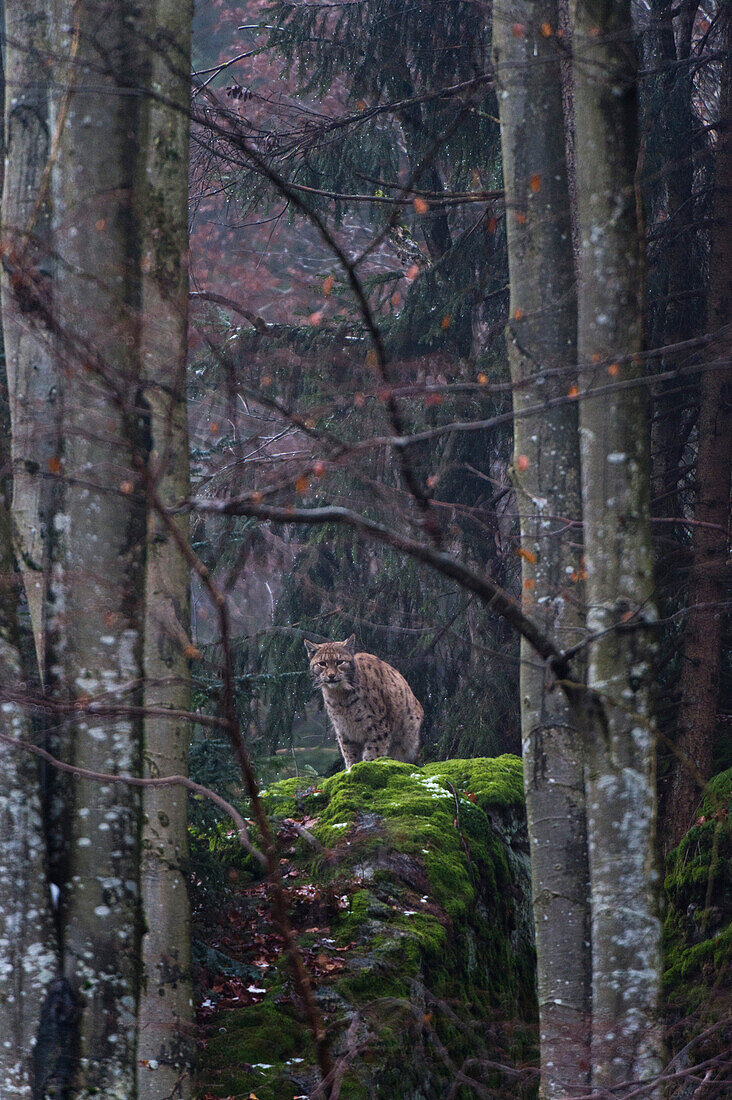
[[712, 954], [424, 857], [495, 782], [697, 927], [287, 797], [429, 934], [719, 790], [374, 981], [420, 810], [350, 922], [699, 869], [250, 1047]]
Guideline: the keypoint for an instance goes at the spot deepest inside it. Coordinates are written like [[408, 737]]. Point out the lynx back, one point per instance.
[[372, 707]]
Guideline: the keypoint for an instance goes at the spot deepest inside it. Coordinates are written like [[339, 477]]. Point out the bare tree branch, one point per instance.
[[492, 594], [137, 781]]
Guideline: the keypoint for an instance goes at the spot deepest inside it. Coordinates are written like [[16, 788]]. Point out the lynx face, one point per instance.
[[333, 664]]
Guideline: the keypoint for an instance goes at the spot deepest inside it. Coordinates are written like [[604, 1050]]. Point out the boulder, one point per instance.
[[409, 889]]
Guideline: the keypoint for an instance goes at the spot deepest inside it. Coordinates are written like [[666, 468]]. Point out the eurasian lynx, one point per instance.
[[370, 704]]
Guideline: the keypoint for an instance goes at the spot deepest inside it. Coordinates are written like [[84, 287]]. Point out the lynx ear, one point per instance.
[[350, 644], [310, 646]]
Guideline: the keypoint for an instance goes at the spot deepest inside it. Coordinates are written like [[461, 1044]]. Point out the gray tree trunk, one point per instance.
[[98, 568], [29, 959], [621, 794], [165, 1043], [32, 384], [29, 956], [541, 338], [115, 225]]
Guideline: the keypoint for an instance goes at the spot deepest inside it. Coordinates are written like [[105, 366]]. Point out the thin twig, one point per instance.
[[108, 710], [137, 781]]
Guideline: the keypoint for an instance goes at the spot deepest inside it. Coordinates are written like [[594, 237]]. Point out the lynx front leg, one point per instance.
[[350, 751], [377, 745]]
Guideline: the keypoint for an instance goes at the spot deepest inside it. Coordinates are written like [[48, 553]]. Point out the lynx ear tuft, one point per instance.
[[350, 644], [310, 646]]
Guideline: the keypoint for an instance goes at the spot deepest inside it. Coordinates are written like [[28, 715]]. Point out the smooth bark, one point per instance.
[[541, 337], [25, 237], [621, 792], [165, 1042]]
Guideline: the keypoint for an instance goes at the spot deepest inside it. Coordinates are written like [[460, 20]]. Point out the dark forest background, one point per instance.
[[348, 104]]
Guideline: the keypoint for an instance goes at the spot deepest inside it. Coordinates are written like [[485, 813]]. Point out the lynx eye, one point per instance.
[[342, 662], [320, 664]]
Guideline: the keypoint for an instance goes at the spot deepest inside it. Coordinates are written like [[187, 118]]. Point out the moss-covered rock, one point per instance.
[[698, 931], [414, 915]]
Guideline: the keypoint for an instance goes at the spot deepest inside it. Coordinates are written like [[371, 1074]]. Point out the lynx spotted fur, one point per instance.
[[370, 704]]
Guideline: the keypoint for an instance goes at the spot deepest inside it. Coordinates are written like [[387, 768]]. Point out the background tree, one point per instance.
[[678, 149], [26, 217], [28, 948], [165, 1035], [702, 668]]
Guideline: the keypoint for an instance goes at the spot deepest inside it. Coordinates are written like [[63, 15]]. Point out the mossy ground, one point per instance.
[[414, 918], [252, 1044]]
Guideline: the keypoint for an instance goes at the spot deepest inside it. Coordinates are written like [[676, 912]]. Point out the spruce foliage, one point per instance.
[[418, 117]]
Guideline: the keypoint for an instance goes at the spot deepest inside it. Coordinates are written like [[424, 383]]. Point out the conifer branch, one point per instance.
[[239, 141]]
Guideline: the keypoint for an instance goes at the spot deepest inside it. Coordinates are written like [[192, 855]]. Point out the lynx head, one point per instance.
[[332, 663]]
